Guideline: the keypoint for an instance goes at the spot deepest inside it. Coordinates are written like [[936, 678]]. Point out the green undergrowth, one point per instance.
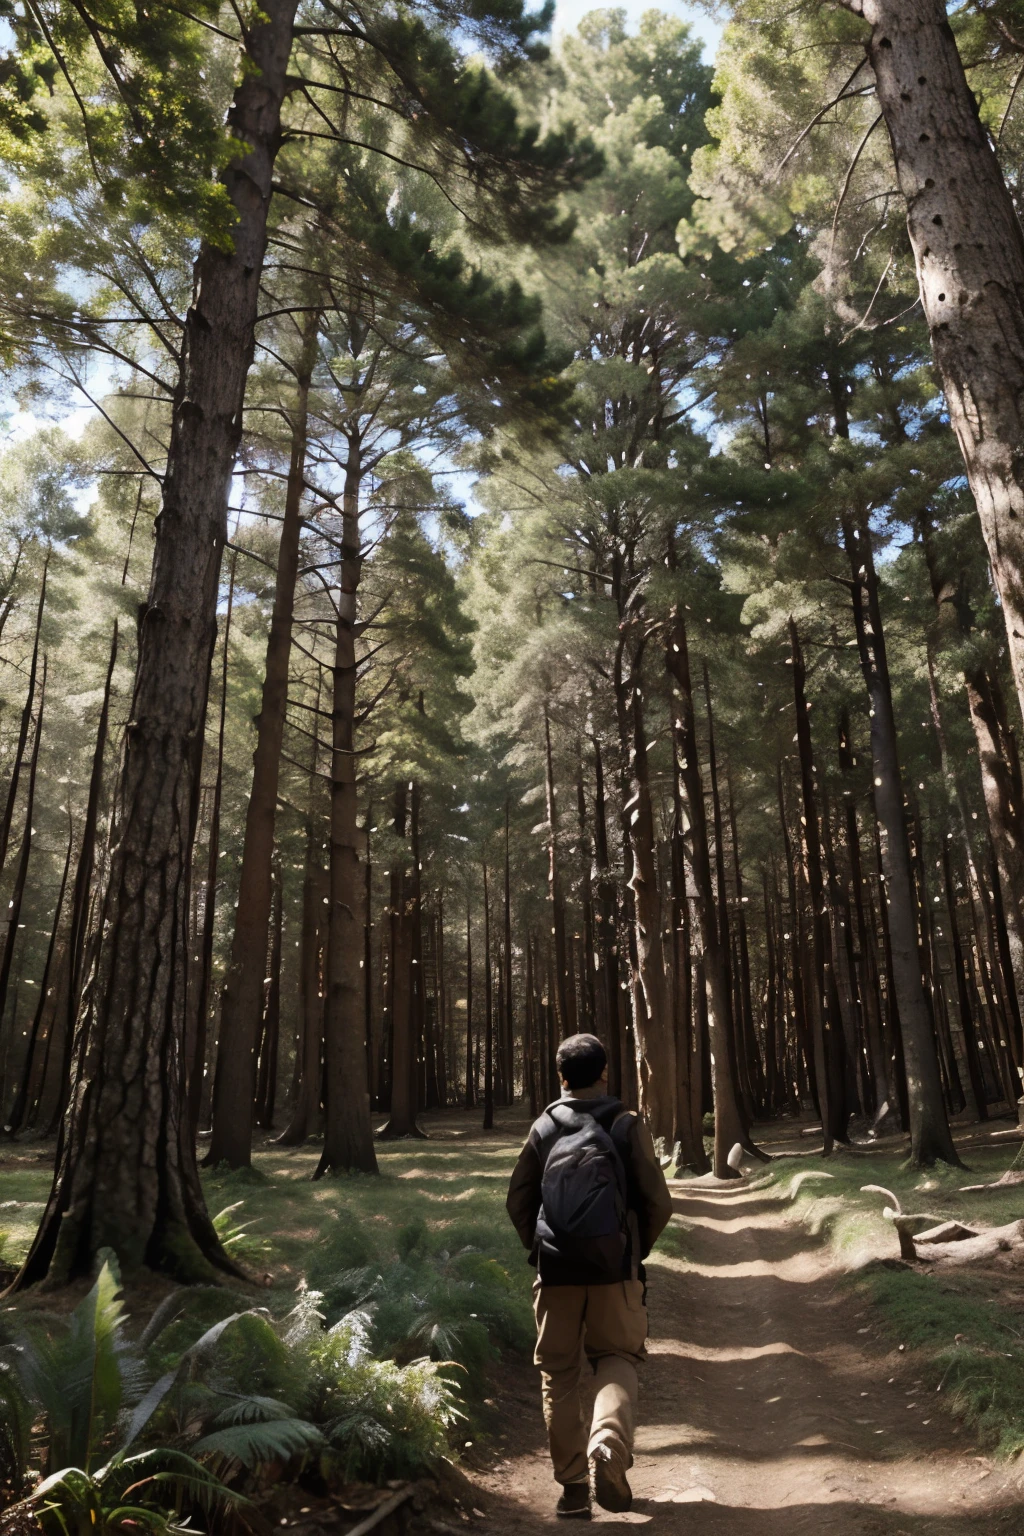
[[424, 1253], [425, 1249], [960, 1331]]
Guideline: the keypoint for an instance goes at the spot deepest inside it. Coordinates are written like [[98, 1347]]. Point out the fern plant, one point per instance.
[[238, 1236], [81, 1376], [130, 1495], [137, 1434]]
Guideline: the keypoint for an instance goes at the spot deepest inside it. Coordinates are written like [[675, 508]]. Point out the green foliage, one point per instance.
[[452, 1306], [132, 84], [961, 1335], [237, 1237], [80, 1377], [144, 1492], [968, 1348]]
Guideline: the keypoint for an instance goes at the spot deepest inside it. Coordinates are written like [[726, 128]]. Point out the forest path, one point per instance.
[[766, 1408]]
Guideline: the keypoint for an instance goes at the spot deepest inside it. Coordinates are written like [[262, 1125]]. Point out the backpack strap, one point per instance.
[[555, 1126]]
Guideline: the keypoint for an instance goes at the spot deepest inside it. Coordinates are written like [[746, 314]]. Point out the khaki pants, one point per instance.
[[607, 1324]]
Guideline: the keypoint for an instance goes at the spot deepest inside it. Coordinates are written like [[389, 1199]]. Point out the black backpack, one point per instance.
[[584, 1215]]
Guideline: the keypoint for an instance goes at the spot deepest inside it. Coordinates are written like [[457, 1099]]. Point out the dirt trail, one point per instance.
[[766, 1406]]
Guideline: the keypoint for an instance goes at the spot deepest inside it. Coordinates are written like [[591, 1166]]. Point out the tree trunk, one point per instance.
[[689, 1066], [804, 1045], [605, 923], [880, 1061], [488, 1015], [969, 251], [17, 896], [266, 1076], [309, 1046], [530, 1033], [745, 995], [508, 1044], [311, 1023], [348, 1133], [16, 1118], [729, 1126], [418, 1020], [929, 1129], [198, 1024], [773, 1005], [967, 1025], [654, 1023], [402, 1116], [241, 999], [470, 1079], [825, 1026], [1004, 805], [25, 726], [736, 1044], [844, 990], [999, 770], [565, 994], [128, 1178], [79, 920]]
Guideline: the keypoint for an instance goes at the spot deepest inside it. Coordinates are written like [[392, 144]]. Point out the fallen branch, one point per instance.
[[1010, 1177], [381, 1513]]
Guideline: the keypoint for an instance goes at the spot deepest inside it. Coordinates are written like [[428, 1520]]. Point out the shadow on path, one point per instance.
[[769, 1406]]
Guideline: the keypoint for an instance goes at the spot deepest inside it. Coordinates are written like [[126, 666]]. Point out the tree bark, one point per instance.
[[729, 1125], [348, 1133], [605, 923], [744, 990], [25, 726], [508, 1044], [470, 1101], [688, 1035], [402, 1116], [565, 994], [969, 251], [880, 1061], [16, 1117], [79, 920], [198, 1023], [530, 1033], [266, 1076], [128, 1178], [309, 1047], [930, 1137], [826, 1026], [740, 1072], [240, 1010], [488, 1014], [804, 1046], [311, 1026], [654, 1023], [21, 868]]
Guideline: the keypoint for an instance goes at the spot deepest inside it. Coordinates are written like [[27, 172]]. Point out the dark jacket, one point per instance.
[[647, 1197]]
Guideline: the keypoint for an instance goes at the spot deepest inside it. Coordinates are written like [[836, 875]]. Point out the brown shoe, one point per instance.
[[574, 1503], [608, 1481]]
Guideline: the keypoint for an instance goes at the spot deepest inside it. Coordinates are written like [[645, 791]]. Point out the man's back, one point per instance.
[[647, 1198], [589, 1200]]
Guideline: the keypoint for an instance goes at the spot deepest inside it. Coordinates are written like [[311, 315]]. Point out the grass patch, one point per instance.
[[962, 1331], [425, 1250]]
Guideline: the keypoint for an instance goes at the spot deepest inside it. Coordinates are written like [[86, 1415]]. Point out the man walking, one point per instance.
[[589, 1200]]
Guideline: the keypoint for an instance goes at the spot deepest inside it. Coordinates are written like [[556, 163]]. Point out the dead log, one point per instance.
[[975, 1249]]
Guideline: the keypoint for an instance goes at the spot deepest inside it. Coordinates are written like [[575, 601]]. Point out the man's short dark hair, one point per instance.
[[580, 1060]]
